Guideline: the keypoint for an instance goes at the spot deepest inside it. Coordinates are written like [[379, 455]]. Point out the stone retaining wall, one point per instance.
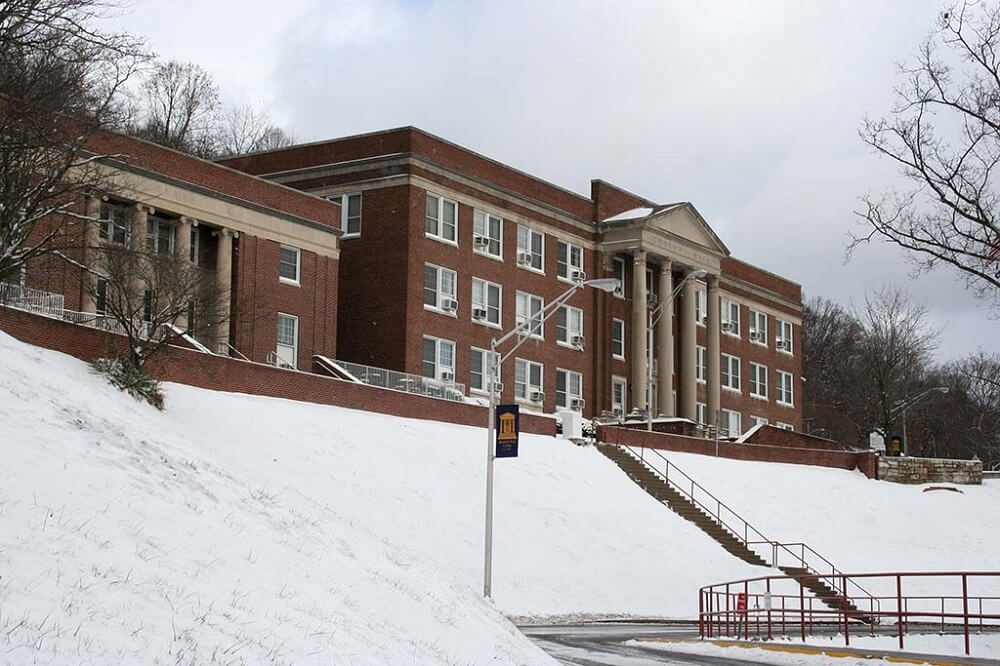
[[930, 470]]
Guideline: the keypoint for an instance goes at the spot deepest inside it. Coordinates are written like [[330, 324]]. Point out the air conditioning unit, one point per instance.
[[481, 243], [447, 376], [728, 327], [449, 304], [479, 314], [577, 341], [537, 397], [618, 412], [577, 276], [524, 258], [497, 387], [651, 299], [577, 404], [782, 343]]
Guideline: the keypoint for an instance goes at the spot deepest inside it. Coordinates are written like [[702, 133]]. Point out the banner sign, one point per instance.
[[507, 425]]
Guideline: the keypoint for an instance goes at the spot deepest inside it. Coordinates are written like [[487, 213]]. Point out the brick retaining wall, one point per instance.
[[220, 373], [930, 470]]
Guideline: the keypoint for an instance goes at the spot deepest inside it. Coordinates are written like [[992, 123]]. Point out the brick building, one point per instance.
[[444, 250]]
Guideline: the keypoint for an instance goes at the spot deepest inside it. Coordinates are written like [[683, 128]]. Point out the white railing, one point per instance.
[[33, 300], [402, 381]]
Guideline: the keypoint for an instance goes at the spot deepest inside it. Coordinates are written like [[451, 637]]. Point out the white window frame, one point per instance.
[[574, 325], [757, 420], [729, 311], [483, 369], [526, 233], [616, 382], [440, 292], [756, 370], [784, 385], [700, 364], [700, 306], [481, 300], [114, 217], [345, 216], [785, 331], [618, 272], [565, 268], [701, 413], [785, 426], [758, 325], [195, 251], [568, 394], [438, 364], [524, 387], [728, 416], [482, 228], [525, 309], [729, 362], [294, 347], [298, 265], [155, 224], [618, 323], [439, 226]]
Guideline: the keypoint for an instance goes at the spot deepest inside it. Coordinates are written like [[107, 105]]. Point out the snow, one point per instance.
[[755, 655], [632, 214], [981, 646]]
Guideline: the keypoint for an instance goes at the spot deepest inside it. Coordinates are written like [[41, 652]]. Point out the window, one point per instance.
[[569, 389], [618, 389], [487, 234], [701, 413], [442, 218], [530, 307], [195, 246], [618, 266], [618, 338], [350, 213], [439, 288], [569, 261], [147, 306], [569, 325], [758, 380], [527, 379], [783, 340], [485, 302], [785, 393], [439, 359], [530, 248], [479, 369], [700, 306], [785, 426], [288, 341], [731, 423], [102, 297], [288, 264], [730, 317], [159, 235], [730, 372], [115, 223], [701, 367], [758, 420], [758, 327]]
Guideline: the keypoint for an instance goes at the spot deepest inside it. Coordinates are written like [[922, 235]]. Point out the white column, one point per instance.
[[91, 244], [639, 333], [688, 356], [224, 275], [712, 351], [182, 251], [665, 341]]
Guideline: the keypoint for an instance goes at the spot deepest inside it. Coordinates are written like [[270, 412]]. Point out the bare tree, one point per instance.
[[60, 82], [246, 129], [181, 109], [944, 133]]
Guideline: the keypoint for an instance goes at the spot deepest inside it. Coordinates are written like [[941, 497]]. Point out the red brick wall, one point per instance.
[[762, 278], [610, 200], [224, 374], [772, 436], [762, 453]]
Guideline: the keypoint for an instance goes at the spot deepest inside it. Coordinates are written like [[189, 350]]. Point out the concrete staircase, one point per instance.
[[830, 597]]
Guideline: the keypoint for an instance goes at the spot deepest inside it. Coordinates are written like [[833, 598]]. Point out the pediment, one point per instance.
[[685, 222]]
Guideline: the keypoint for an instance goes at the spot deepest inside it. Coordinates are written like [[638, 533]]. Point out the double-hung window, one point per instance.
[[731, 423], [618, 339], [115, 223], [195, 255], [701, 365], [287, 349], [618, 391], [527, 380], [102, 297], [569, 389], [487, 234], [569, 326], [289, 264], [758, 420], [618, 266], [730, 372], [439, 359], [701, 413], [758, 380], [700, 306], [486, 302], [441, 218], [785, 391], [159, 235], [439, 289], [783, 339], [569, 262], [529, 307], [758, 327], [350, 213], [479, 369], [730, 317], [530, 248]]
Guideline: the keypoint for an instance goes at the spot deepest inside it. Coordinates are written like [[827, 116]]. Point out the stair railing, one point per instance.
[[834, 579]]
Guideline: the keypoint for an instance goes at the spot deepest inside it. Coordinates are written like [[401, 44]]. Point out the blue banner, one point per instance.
[[508, 426]]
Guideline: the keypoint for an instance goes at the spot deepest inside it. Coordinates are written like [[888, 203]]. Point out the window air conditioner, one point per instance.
[[728, 327], [479, 314], [497, 387], [537, 397], [481, 243], [576, 404], [577, 276], [577, 341], [651, 299], [449, 304], [524, 258], [447, 376]]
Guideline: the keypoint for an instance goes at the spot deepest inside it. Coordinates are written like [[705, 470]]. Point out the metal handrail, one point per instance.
[[834, 572]]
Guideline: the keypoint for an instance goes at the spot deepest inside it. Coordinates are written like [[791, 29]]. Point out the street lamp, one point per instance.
[[522, 330], [906, 403], [654, 316]]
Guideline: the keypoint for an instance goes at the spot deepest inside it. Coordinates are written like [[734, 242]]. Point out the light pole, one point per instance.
[[654, 316], [522, 330], [906, 403]]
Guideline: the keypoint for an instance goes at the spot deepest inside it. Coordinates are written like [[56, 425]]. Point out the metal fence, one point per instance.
[[402, 381], [33, 300]]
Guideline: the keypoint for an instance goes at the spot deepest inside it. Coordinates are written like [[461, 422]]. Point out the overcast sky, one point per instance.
[[749, 110]]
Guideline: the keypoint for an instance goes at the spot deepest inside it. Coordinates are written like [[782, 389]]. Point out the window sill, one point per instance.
[[347, 236], [289, 282], [733, 390], [489, 255], [570, 281], [437, 310], [482, 322], [617, 358], [786, 404], [785, 352], [569, 346], [439, 239], [759, 344], [758, 397], [701, 381], [532, 269], [732, 335]]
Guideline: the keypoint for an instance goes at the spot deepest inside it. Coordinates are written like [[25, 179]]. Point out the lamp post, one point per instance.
[[906, 403], [522, 330], [654, 316]]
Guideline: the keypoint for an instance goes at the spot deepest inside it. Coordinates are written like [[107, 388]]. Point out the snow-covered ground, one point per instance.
[[237, 528]]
